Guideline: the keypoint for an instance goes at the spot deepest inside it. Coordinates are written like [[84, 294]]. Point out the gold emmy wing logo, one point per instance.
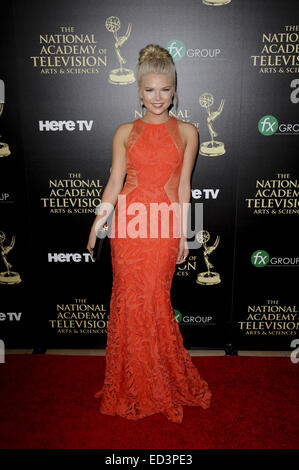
[[212, 148], [8, 277], [120, 76], [4, 148], [207, 278], [215, 3]]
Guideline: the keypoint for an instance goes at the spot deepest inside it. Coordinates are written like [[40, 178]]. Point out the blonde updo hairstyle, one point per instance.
[[155, 59]]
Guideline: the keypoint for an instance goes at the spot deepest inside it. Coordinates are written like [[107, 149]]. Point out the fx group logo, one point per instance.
[[176, 49], [193, 319], [178, 316], [260, 258], [268, 125]]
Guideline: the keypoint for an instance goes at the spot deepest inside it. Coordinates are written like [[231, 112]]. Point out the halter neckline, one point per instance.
[[156, 124]]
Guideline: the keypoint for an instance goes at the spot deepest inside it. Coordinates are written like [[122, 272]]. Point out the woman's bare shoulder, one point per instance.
[[187, 126], [187, 131], [125, 127], [123, 130]]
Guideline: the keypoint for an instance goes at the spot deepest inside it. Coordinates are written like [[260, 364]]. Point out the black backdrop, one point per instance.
[[62, 106]]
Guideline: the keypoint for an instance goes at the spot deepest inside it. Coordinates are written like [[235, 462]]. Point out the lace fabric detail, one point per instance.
[[148, 370]]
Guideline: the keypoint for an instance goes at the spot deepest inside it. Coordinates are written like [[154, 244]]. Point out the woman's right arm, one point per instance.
[[114, 184]]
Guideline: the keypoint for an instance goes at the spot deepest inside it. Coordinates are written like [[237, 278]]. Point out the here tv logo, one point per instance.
[[54, 126]]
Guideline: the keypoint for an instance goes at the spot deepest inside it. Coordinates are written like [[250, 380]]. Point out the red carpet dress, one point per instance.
[[148, 370]]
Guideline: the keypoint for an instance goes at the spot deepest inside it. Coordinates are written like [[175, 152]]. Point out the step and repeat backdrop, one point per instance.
[[67, 80]]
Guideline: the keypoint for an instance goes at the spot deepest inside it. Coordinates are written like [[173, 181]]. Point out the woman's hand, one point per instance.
[[183, 251], [91, 241]]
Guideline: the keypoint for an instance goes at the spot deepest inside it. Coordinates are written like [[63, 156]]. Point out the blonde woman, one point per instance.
[[148, 370]]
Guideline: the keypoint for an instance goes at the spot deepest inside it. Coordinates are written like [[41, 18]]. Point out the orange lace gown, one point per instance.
[[148, 370]]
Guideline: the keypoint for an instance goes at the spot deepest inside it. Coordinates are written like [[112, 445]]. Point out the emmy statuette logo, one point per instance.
[[215, 3], [207, 278], [8, 277], [121, 75], [211, 148], [4, 148]]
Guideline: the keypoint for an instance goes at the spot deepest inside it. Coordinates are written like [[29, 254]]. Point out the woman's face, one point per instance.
[[157, 91]]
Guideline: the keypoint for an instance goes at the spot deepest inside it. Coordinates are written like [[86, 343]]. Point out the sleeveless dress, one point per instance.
[[148, 370]]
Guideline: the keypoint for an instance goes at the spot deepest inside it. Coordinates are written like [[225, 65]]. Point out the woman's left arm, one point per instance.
[[184, 191], [190, 153]]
